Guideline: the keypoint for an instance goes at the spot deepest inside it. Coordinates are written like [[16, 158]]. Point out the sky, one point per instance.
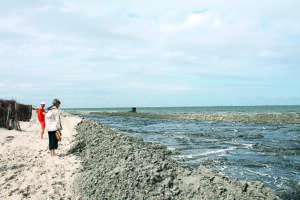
[[142, 53]]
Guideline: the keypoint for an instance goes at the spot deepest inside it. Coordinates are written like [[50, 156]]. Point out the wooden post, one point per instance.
[[8, 120]]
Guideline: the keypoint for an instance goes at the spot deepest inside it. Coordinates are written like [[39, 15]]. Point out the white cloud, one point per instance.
[[25, 85], [3, 49], [158, 87], [217, 22], [269, 54], [173, 54], [203, 22], [197, 19], [25, 27], [157, 46]]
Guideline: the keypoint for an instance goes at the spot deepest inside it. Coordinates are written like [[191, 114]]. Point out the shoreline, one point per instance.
[[95, 162], [276, 118], [28, 171], [116, 166]]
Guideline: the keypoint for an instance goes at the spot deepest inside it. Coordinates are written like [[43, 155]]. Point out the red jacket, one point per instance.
[[40, 114]]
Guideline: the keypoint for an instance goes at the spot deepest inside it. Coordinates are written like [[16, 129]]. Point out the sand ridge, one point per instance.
[[116, 166], [276, 118], [26, 168]]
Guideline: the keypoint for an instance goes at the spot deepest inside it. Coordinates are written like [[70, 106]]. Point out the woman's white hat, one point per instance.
[[42, 102]]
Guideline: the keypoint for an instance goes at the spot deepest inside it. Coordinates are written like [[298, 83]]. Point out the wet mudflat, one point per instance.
[[266, 152], [116, 166]]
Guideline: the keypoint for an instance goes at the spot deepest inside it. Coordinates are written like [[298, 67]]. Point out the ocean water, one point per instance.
[[264, 152], [203, 110]]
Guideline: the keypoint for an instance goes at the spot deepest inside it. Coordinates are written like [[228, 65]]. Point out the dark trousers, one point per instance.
[[53, 142]]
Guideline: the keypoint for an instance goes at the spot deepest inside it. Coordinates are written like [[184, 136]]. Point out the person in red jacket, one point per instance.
[[41, 116]]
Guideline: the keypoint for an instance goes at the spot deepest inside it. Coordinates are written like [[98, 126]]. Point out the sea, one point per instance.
[[264, 152]]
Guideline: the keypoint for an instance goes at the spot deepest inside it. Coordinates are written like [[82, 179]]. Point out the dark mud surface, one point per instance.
[[116, 166], [279, 118]]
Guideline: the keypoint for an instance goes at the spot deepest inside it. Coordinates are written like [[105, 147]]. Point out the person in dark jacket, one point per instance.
[[53, 124]]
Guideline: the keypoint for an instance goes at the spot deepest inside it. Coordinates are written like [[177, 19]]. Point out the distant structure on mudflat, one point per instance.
[[133, 109]]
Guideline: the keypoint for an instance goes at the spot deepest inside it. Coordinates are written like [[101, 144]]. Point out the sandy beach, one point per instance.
[[28, 171]]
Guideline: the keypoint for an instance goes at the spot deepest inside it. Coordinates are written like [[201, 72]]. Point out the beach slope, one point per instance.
[[116, 166]]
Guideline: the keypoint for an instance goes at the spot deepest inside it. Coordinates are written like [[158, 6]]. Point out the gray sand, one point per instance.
[[116, 166]]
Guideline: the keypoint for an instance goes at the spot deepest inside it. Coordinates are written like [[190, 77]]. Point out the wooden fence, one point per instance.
[[12, 112]]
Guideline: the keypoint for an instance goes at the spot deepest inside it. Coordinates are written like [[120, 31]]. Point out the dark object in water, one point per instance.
[[12, 112], [133, 109]]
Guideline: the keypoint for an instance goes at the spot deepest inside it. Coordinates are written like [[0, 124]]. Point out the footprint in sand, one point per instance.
[[8, 139]]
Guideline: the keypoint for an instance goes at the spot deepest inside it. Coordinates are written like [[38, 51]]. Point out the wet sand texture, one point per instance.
[[115, 166]]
